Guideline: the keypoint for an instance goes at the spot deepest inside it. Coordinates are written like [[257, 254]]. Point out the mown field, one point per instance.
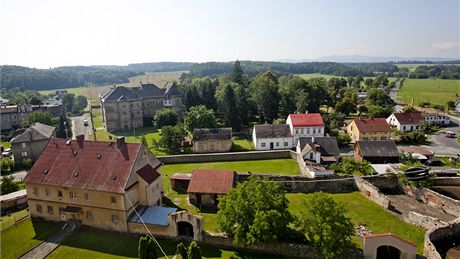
[[438, 91]]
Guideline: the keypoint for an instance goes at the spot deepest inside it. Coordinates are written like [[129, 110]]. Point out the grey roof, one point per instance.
[[273, 131], [328, 145], [36, 131], [378, 148], [153, 215], [212, 134], [143, 91]]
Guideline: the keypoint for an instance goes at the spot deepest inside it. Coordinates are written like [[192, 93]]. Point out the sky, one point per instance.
[[50, 33]]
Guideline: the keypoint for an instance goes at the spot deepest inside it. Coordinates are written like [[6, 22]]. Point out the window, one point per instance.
[[23, 145], [311, 155], [383, 138], [50, 209], [277, 144], [314, 131], [303, 130], [73, 195], [308, 131], [47, 193], [89, 215], [113, 200], [114, 218], [404, 127], [39, 208], [296, 131], [285, 144], [319, 130], [60, 194], [262, 144], [36, 191], [23, 153]]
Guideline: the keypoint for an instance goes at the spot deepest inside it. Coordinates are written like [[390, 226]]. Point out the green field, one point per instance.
[[8, 220], [19, 239], [362, 211], [438, 91]]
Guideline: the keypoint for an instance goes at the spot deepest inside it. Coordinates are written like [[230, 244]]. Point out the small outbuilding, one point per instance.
[[206, 185], [376, 152], [180, 182], [209, 140], [388, 245]]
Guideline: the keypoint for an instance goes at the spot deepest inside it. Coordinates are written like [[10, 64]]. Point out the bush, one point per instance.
[[349, 166], [165, 117], [413, 137], [6, 165], [27, 163], [8, 185], [343, 139]]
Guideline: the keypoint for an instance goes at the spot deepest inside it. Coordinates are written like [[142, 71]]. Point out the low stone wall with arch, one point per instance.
[[372, 243]]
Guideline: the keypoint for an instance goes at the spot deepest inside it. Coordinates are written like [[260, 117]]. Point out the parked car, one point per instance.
[[450, 134], [7, 152], [85, 122]]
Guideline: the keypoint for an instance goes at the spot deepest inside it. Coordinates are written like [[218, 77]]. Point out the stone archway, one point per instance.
[[185, 229], [388, 252]]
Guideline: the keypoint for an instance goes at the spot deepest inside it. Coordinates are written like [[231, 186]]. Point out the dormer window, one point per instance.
[[167, 103]]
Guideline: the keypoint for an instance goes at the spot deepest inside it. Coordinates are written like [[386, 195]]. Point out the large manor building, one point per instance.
[[133, 107]]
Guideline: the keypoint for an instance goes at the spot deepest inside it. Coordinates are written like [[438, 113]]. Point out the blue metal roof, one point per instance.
[[153, 215]]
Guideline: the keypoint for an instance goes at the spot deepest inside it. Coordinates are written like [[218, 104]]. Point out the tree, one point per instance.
[[288, 88], [165, 117], [182, 249], [348, 166], [238, 74], [450, 105], [7, 165], [27, 163], [8, 185], [199, 117], [40, 116], [301, 102], [348, 103], [228, 108], [378, 97], [376, 111], [325, 226], [380, 80], [194, 251], [409, 108], [358, 81], [171, 138], [147, 248], [68, 101], [351, 81], [255, 211], [362, 109], [80, 103], [264, 93], [369, 82]]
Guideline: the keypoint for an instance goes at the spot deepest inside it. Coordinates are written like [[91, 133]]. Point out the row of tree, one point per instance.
[[438, 71]]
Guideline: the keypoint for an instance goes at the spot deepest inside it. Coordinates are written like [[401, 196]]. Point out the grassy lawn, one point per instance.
[[17, 240], [5, 144], [9, 220], [242, 145], [438, 91], [99, 244], [365, 212]]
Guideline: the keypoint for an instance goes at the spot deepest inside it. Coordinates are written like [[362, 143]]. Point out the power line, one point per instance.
[[143, 223]]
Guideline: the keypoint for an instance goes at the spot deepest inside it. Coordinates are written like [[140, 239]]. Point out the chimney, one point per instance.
[[80, 139], [30, 134], [120, 141]]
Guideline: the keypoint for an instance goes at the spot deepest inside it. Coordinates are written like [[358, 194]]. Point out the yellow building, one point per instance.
[[369, 129]]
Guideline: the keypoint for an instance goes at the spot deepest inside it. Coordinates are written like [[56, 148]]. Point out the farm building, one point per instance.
[[376, 152], [206, 185], [212, 140]]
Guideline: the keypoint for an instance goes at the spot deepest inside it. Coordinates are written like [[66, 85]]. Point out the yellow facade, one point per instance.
[[356, 135]]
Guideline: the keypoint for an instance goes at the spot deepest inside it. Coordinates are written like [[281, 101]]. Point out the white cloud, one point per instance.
[[445, 45]]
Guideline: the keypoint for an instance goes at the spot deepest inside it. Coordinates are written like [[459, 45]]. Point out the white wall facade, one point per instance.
[[393, 121], [271, 143], [297, 132], [438, 119]]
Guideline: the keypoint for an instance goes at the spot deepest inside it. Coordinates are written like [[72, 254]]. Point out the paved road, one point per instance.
[[47, 247], [394, 91], [78, 128], [441, 145], [18, 177]]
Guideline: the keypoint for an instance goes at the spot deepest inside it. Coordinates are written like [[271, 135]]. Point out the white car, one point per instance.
[[85, 122], [7, 152]]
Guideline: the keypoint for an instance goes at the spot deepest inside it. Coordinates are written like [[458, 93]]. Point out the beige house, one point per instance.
[[99, 184], [369, 129], [212, 140], [30, 144], [133, 107]]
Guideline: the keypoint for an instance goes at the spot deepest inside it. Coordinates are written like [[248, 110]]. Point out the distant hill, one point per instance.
[[369, 59]]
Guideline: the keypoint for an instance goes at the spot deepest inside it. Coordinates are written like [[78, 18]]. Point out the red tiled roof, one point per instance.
[[409, 117], [92, 165], [389, 235], [211, 181], [372, 125], [148, 173], [306, 119]]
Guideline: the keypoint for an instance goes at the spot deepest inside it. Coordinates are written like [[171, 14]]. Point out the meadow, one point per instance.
[[437, 91]]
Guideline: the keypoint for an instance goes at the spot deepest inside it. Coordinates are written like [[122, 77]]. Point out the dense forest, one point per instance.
[[439, 71]]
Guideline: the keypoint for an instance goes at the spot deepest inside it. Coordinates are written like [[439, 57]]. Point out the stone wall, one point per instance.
[[423, 221], [372, 192], [280, 249], [446, 181], [229, 156], [434, 199], [439, 240]]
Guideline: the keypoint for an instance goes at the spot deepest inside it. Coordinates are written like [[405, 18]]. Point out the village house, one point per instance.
[[99, 184], [269, 137], [212, 140], [406, 121], [305, 125], [206, 185], [134, 107], [30, 143], [368, 129], [376, 152], [321, 150], [436, 118]]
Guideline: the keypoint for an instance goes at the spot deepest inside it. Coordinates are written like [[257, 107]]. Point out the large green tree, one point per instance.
[[199, 117], [42, 117], [325, 226], [238, 74], [228, 108], [348, 103], [376, 96], [264, 93], [255, 211], [165, 117], [171, 138], [8, 185]]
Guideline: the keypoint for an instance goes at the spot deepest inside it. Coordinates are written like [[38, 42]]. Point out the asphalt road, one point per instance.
[[441, 145], [78, 128], [19, 176]]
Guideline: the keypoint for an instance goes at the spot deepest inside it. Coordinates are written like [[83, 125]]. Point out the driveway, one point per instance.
[[78, 128], [441, 145]]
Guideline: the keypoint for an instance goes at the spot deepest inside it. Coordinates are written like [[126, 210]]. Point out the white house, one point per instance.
[[437, 118], [406, 121], [305, 125], [268, 137], [321, 150]]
